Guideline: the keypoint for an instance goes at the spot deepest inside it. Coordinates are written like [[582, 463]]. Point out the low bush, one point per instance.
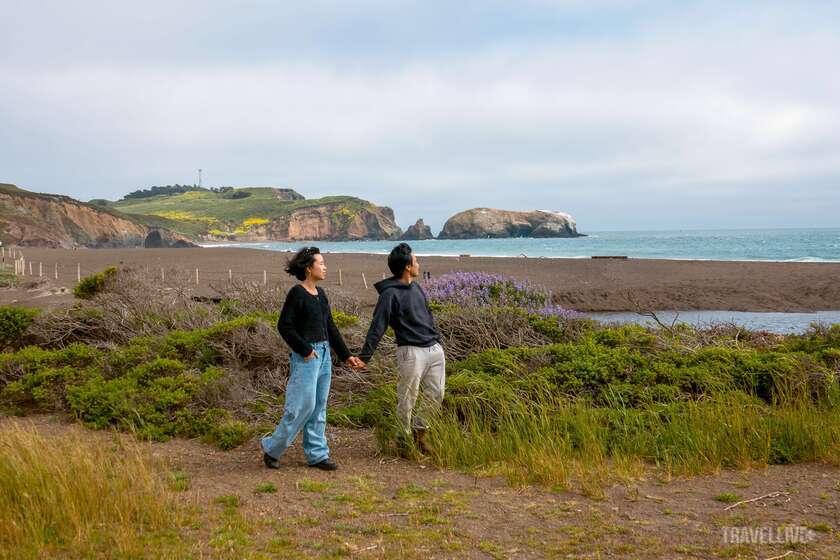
[[14, 324], [343, 320], [622, 397], [156, 387], [91, 285], [7, 278]]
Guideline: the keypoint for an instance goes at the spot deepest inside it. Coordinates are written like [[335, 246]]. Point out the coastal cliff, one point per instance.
[[45, 220], [258, 214], [326, 222]]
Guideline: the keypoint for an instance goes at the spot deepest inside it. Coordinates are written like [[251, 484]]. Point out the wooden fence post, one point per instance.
[[78, 272], [340, 283], [56, 271], [196, 277], [364, 280], [265, 278], [40, 270]]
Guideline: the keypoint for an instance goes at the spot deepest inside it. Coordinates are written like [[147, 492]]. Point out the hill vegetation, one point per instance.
[[226, 211]]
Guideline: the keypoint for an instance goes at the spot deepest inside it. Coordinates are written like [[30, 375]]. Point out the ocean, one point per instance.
[[795, 245]]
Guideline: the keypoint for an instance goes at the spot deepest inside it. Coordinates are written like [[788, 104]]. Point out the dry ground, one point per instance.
[[375, 507]]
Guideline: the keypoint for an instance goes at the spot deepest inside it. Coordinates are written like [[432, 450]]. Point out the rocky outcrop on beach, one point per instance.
[[478, 223], [417, 232], [30, 219], [163, 239]]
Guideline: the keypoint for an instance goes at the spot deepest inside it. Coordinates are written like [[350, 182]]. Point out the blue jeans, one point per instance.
[[306, 406]]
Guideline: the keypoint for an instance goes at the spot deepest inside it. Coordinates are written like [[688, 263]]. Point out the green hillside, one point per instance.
[[8, 187], [197, 212]]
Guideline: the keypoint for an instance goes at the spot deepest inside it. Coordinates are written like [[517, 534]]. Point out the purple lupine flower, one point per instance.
[[485, 290]]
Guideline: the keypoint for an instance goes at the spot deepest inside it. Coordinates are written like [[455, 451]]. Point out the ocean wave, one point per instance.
[[810, 259]]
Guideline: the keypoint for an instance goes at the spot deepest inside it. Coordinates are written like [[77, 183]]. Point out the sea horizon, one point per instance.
[[747, 244]]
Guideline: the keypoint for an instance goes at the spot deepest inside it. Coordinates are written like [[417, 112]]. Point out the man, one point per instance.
[[403, 306]]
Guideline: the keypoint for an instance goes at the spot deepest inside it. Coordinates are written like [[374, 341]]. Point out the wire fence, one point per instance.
[[13, 262]]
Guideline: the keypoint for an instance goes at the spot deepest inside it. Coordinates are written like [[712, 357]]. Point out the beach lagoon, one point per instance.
[[775, 322]]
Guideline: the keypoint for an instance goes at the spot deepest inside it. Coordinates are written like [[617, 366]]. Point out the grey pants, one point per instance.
[[418, 367]]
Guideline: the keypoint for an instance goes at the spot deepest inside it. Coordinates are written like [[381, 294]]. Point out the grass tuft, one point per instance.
[[73, 497]]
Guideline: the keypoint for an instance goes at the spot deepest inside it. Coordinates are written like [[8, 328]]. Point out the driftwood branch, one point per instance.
[[764, 497]]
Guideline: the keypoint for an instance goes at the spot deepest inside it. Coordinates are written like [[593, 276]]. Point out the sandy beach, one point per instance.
[[581, 284]]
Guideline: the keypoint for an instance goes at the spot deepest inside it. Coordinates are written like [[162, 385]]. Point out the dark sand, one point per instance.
[[582, 284]]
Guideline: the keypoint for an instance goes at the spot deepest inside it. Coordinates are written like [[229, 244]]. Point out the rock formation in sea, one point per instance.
[[417, 232], [478, 223]]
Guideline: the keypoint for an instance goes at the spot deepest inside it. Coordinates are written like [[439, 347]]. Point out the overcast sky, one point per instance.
[[627, 115]]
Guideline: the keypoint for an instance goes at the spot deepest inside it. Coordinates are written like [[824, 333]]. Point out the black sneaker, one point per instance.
[[270, 461], [325, 465]]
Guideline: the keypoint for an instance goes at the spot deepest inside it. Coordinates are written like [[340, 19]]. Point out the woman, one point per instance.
[[307, 326]]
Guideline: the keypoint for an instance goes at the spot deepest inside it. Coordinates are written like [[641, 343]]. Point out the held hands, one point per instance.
[[355, 362]]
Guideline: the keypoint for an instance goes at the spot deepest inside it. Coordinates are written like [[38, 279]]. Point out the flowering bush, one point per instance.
[[493, 290]]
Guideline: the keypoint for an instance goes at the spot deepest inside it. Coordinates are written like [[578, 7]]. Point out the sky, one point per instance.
[[626, 115]]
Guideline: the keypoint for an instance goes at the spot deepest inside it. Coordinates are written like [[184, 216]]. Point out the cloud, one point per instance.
[[640, 107]]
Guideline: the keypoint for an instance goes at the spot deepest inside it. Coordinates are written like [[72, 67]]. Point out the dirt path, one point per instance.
[[384, 508]]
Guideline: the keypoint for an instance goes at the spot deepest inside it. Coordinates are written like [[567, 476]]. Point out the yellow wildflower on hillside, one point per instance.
[[181, 216], [255, 222]]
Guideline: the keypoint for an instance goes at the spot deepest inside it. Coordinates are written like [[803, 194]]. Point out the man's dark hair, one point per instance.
[[399, 259], [303, 259]]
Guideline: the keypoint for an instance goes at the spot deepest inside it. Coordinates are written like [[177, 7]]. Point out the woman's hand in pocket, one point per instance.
[[309, 357]]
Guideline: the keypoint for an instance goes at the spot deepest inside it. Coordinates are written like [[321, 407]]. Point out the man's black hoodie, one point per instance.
[[404, 308]]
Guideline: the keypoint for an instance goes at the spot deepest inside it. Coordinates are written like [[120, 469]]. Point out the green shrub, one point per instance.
[[156, 400], [14, 322], [37, 378], [91, 285], [622, 396], [130, 388], [229, 433], [561, 330], [343, 320], [7, 278]]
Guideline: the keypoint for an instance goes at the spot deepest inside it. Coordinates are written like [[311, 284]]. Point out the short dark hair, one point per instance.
[[303, 259], [399, 259]]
